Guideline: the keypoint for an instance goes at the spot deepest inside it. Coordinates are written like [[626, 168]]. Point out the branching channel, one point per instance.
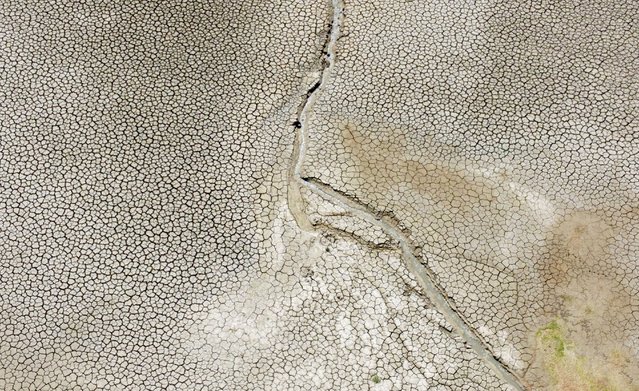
[[424, 276]]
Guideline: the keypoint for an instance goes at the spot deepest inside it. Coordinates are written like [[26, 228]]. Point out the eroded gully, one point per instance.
[[423, 275]]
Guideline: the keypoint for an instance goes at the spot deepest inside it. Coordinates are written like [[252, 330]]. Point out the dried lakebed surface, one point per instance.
[[319, 195]]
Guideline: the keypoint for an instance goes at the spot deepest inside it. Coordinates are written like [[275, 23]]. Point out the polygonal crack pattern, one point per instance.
[[319, 195]]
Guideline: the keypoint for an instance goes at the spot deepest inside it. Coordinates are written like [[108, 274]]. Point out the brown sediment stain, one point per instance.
[[380, 158], [593, 308], [586, 236], [579, 243], [578, 273]]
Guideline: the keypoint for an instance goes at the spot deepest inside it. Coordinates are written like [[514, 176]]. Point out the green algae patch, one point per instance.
[[553, 338], [569, 370], [376, 379]]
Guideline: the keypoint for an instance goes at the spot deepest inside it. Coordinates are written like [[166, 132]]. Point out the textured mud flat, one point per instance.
[[319, 195]]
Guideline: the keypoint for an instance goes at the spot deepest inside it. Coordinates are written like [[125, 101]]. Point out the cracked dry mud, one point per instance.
[[319, 195]]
